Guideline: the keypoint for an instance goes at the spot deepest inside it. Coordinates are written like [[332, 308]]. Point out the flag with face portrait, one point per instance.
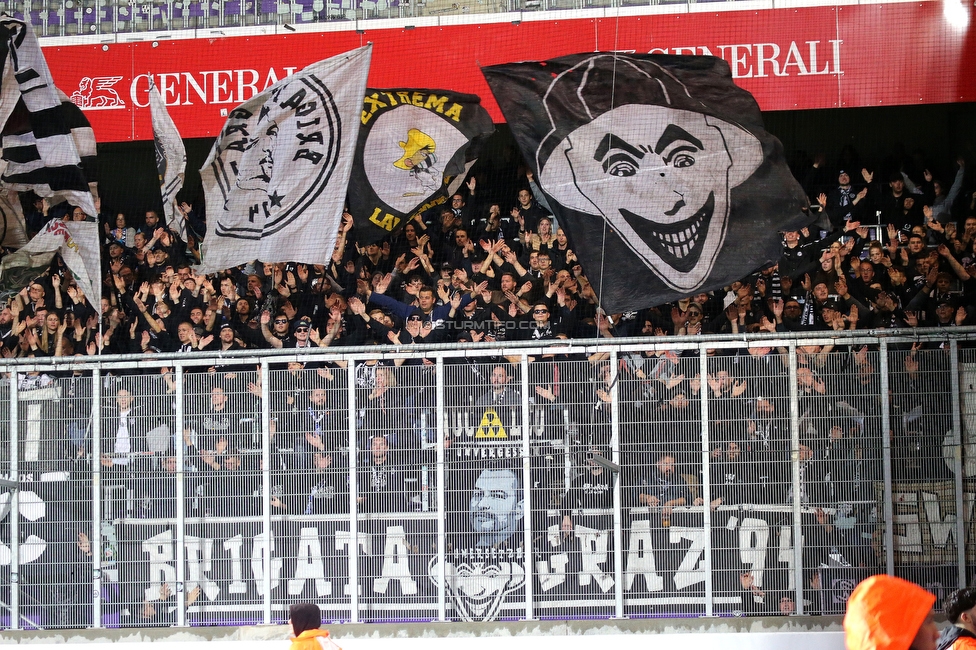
[[276, 177], [415, 147], [658, 167], [170, 159]]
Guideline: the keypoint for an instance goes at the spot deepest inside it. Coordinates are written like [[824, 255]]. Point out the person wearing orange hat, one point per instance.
[[305, 619], [960, 609], [888, 613]]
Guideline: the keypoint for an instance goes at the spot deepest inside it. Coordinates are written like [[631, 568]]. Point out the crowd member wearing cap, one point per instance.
[[306, 620], [590, 490], [226, 339], [888, 613], [960, 610], [845, 202]]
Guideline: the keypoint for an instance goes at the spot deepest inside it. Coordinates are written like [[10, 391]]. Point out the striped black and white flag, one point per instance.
[[276, 177], [46, 139], [170, 159]]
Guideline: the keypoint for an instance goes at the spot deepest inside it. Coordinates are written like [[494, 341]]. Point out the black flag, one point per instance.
[[412, 144], [658, 166]]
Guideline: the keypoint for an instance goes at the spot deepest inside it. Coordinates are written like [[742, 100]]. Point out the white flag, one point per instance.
[[77, 244], [276, 178], [170, 159], [12, 222], [47, 141]]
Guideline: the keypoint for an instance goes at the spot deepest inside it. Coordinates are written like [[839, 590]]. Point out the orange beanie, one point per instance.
[[885, 613]]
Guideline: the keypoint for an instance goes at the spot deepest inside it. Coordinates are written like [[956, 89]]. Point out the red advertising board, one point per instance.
[[798, 58]]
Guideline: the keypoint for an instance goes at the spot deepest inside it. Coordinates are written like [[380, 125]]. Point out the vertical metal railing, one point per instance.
[[886, 433], [180, 449], [797, 513], [14, 507], [706, 487], [796, 480], [960, 528]]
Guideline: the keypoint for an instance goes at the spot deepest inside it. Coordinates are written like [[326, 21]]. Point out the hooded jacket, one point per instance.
[[956, 638], [885, 613], [315, 639]]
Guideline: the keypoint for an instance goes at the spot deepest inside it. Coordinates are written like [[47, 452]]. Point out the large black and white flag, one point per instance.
[[276, 178], [412, 144], [170, 159], [46, 139], [77, 244], [658, 166]]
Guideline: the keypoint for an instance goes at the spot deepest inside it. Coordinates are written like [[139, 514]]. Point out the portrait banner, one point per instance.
[[412, 144], [658, 167], [276, 178]]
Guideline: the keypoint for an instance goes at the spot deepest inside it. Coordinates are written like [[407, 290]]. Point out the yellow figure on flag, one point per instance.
[[418, 159]]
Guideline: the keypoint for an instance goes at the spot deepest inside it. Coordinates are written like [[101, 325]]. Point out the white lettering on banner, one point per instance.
[[395, 564], [365, 546], [550, 579], [206, 87], [257, 564], [234, 545], [690, 571], [907, 521], [942, 529], [309, 565], [759, 60], [199, 551], [594, 546], [159, 548], [31, 508], [786, 553], [640, 558], [753, 542]]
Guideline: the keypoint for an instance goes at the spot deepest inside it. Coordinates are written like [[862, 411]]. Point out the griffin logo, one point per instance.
[[97, 93]]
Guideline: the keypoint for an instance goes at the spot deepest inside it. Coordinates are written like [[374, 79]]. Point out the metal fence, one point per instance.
[[664, 477]]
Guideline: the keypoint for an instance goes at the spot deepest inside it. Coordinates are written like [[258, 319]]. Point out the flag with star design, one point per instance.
[[276, 178]]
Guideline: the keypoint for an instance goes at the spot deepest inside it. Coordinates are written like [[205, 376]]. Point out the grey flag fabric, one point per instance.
[[658, 167], [415, 147], [12, 222], [276, 177], [77, 244], [170, 159], [46, 139]]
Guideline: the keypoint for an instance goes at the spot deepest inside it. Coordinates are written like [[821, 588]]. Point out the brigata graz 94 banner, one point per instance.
[[798, 58], [486, 565]]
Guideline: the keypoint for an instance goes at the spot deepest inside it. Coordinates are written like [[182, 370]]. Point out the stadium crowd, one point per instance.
[[894, 255], [473, 272]]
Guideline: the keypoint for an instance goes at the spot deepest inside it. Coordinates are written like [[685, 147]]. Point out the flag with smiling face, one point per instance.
[[658, 167]]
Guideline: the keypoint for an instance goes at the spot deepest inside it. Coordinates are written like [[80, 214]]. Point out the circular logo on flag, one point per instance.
[[276, 156]]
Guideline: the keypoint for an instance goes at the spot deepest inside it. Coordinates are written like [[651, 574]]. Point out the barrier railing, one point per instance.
[[660, 477]]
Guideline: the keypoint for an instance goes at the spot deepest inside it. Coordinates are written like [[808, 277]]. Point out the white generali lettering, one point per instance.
[[749, 60], [206, 87]]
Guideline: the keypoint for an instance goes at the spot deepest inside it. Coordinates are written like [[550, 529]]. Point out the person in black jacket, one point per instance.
[[960, 610]]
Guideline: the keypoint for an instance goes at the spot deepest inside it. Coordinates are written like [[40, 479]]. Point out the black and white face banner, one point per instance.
[[661, 177], [657, 166]]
